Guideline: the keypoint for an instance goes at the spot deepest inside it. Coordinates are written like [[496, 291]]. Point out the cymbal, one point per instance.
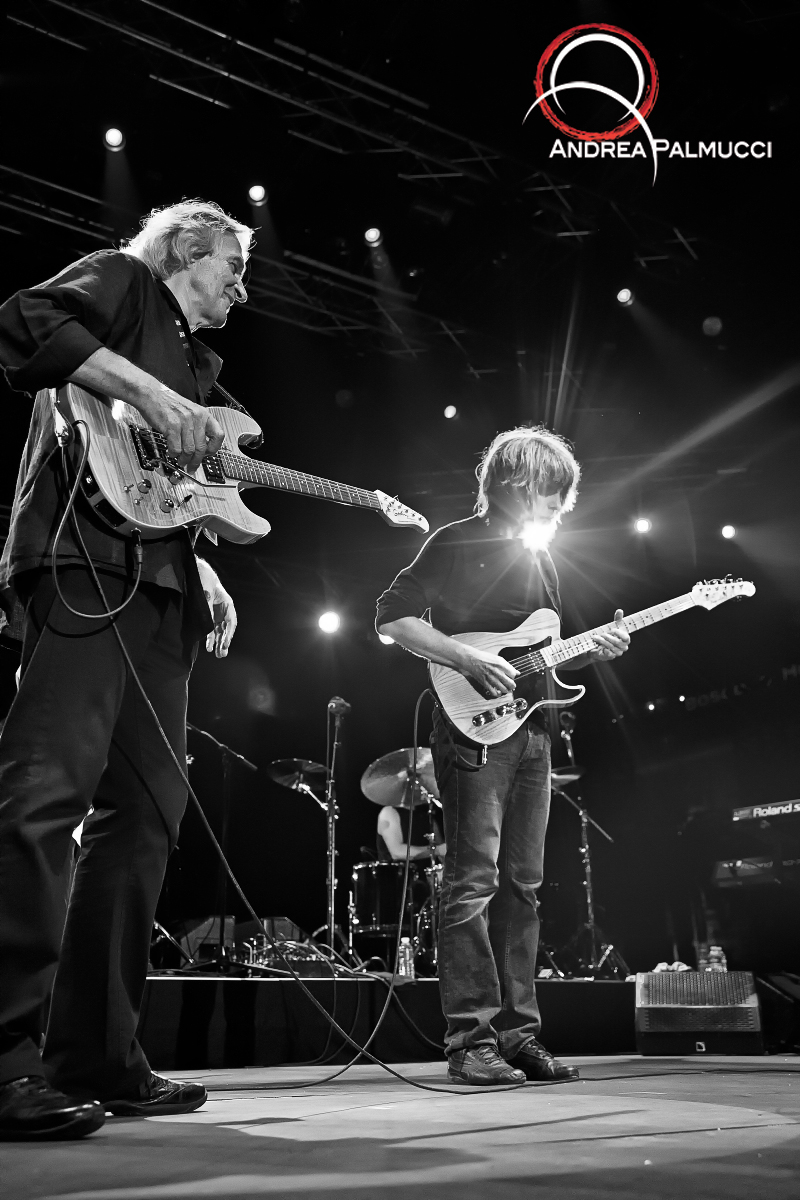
[[387, 781], [297, 773], [559, 776]]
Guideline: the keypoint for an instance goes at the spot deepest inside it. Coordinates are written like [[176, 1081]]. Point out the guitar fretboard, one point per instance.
[[583, 643], [283, 479]]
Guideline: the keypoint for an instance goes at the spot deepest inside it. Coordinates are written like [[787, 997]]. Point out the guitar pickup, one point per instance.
[[145, 446], [212, 469]]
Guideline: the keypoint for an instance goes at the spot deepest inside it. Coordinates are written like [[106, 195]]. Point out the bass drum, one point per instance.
[[377, 892]]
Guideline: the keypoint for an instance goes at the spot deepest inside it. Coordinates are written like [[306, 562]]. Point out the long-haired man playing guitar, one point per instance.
[[479, 575]]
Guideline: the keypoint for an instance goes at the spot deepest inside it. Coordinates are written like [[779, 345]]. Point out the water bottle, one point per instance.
[[405, 959], [716, 959]]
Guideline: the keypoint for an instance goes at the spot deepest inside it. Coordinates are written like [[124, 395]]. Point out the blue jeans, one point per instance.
[[495, 820]]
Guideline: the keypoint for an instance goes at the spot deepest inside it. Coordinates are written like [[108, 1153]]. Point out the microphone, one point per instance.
[[338, 706]]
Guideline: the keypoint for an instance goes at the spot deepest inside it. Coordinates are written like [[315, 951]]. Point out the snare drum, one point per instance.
[[377, 891]]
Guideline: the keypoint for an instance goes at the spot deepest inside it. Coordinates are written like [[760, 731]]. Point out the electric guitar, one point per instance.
[[535, 649], [133, 484]]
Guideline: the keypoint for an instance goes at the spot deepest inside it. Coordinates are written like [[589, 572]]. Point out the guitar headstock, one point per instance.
[[395, 513], [712, 592]]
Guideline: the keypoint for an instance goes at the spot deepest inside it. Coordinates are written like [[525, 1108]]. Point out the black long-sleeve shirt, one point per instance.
[[46, 332], [472, 580]]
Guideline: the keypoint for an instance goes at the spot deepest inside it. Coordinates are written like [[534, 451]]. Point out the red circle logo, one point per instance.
[[580, 35]]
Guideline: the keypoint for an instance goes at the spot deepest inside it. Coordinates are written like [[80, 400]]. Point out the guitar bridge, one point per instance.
[[515, 709]]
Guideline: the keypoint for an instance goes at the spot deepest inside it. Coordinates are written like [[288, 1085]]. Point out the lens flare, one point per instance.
[[536, 535]]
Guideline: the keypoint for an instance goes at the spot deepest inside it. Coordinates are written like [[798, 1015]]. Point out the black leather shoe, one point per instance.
[[481, 1065], [31, 1110], [539, 1064], [158, 1097]]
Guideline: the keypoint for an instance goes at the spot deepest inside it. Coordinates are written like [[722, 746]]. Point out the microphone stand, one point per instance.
[[338, 708], [610, 958], [229, 757]]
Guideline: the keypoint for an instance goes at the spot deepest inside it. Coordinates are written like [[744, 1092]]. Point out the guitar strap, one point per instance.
[[187, 342], [549, 577]]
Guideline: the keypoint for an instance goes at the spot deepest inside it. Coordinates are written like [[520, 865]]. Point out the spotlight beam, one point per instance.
[[707, 430]]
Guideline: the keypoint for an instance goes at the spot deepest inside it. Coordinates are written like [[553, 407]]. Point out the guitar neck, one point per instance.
[[583, 643], [282, 479]]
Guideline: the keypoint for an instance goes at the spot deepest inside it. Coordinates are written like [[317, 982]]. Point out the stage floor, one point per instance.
[[635, 1127]]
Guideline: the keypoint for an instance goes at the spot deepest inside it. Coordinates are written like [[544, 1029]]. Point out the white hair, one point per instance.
[[172, 238]]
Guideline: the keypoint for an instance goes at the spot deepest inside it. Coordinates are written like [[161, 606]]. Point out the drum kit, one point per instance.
[[405, 780]]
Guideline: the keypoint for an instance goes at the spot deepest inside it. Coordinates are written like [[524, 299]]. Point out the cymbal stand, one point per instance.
[[430, 838], [229, 758], [590, 925]]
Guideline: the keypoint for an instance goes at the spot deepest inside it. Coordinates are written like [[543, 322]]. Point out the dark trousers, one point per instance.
[[495, 820], [78, 735]]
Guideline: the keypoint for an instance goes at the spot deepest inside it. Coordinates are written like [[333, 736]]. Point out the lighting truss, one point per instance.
[[296, 290], [323, 103]]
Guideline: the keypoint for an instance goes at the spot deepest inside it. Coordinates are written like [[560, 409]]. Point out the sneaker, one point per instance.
[[158, 1097], [31, 1110], [481, 1065], [538, 1064]]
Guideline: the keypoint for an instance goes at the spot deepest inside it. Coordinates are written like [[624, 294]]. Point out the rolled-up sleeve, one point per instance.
[[417, 586], [48, 331]]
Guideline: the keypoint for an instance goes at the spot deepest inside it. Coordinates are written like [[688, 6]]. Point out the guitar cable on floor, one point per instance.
[[110, 615]]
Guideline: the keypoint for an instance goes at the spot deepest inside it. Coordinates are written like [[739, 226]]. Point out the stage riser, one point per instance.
[[209, 1023]]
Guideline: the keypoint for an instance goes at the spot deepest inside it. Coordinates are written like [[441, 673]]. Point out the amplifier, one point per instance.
[[698, 1012]]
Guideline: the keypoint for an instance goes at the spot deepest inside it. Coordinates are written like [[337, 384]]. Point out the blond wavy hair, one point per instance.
[[529, 457]]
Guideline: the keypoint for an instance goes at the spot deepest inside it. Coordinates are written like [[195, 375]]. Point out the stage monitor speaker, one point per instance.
[[698, 1012], [201, 936]]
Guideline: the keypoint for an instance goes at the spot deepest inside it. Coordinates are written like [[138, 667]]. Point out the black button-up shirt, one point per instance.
[[46, 332], [472, 581]]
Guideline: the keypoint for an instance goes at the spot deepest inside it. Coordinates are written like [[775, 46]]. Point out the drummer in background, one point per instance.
[[393, 829]]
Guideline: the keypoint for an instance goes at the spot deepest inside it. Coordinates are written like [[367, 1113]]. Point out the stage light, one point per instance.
[[257, 194], [384, 637], [643, 525], [373, 237], [728, 531], [329, 622], [114, 139], [451, 411], [650, 706], [625, 297]]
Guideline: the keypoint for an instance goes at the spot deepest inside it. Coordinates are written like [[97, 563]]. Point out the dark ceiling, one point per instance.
[[499, 273]]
